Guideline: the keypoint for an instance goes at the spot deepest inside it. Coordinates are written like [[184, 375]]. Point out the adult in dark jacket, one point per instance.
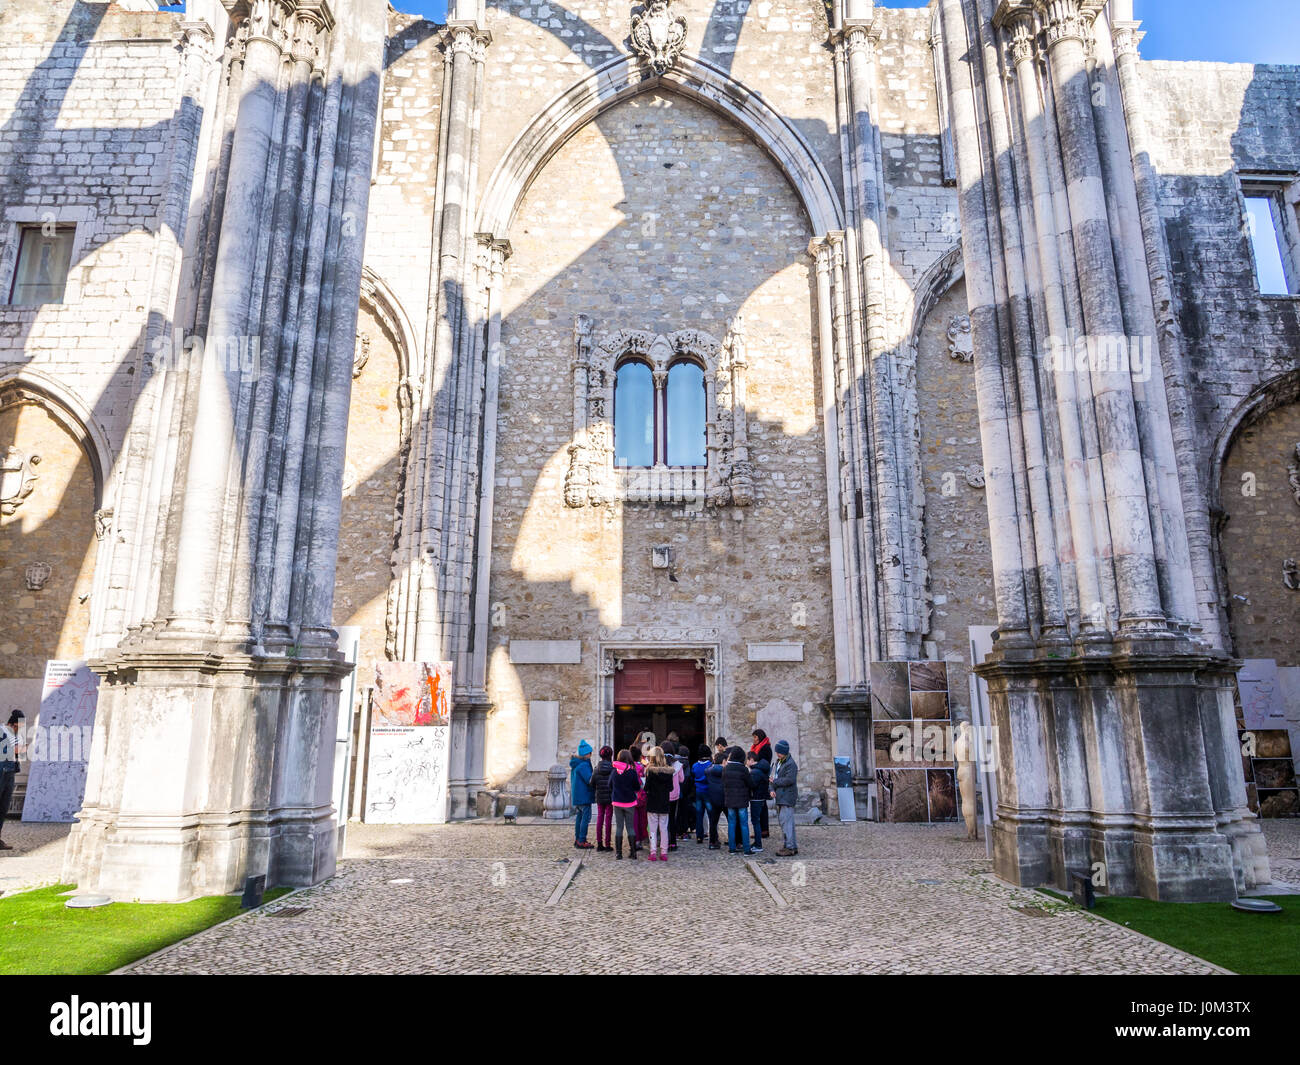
[[716, 800], [604, 791], [785, 790], [762, 746], [736, 795], [758, 786], [686, 800], [700, 775], [580, 794]]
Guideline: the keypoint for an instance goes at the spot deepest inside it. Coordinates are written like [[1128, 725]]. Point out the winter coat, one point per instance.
[[600, 781], [658, 787], [714, 786], [735, 784], [758, 779], [764, 749], [580, 782], [675, 767], [700, 774], [687, 790], [625, 783], [785, 776]]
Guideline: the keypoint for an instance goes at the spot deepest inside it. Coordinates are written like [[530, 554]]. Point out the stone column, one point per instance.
[[1107, 749], [213, 760]]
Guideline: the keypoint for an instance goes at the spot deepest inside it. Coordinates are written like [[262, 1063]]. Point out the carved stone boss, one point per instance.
[[658, 36], [592, 480]]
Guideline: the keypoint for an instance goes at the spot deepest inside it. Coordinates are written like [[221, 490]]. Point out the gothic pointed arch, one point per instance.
[[624, 77]]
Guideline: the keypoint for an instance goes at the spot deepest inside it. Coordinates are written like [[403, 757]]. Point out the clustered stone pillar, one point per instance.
[[1111, 699], [875, 520], [441, 559], [214, 741]]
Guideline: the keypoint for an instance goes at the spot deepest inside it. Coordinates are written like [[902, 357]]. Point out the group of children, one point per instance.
[[654, 796]]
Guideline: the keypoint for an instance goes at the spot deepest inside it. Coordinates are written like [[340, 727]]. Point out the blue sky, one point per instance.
[[1243, 31]]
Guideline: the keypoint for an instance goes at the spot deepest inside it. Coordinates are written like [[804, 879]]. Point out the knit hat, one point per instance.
[[782, 747], [607, 751], [584, 749]]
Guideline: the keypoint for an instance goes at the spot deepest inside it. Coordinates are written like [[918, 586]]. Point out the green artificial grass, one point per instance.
[[1257, 944], [40, 936]]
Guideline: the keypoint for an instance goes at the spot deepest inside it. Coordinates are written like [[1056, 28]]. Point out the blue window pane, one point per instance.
[[1268, 251], [686, 442], [634, 415]]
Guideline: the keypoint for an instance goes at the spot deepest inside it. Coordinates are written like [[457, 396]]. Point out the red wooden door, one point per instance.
[[654, 681]]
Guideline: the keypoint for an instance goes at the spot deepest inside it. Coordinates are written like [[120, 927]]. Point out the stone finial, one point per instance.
[[658, 35]]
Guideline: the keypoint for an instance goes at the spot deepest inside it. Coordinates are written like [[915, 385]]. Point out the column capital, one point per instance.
[[1016, 19], [262, 20], [312, 21], [857, 35], [1065, 20], [1127, 37], [465, 36]]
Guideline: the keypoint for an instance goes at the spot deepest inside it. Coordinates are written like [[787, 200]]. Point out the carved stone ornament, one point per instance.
[[961, 343], [728, 476], [361, 356], [974, 476], [37, 574], [1290, 574], [658, 36], [17, 478], [1293, 475], [103, 522]]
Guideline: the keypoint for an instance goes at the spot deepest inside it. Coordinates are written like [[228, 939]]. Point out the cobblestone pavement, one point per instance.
[[37, 856], [472, 899]]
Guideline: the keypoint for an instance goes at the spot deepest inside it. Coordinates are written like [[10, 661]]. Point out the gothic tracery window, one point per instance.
[[659, 418]]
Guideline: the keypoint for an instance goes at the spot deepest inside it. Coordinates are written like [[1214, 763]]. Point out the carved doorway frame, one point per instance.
[[616, 646]]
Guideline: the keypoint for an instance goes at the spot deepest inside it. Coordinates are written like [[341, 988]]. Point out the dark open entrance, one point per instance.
[[659, 696]]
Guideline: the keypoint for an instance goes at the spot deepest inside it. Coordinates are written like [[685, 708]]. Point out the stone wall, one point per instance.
[[659, 215], [1211, 120], [1259, 535], [371, 483], [85, 138], [956, 513], [54, 525]]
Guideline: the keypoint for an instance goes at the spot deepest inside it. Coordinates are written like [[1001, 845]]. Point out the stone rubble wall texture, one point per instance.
[[1209, 121], [660, 215], [1259, 536], [54, 525], [371, 482], [87, 103]]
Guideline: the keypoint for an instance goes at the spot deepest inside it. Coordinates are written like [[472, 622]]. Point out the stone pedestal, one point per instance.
[[1115, 753], [208, 768], [556, 806]]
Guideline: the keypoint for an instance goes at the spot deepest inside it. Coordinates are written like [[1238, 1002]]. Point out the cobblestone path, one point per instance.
[[472, 898]]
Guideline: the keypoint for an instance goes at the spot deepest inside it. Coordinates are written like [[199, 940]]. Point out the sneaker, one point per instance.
[[663, 857], [748, 853], [785, 852], [715, 846], [700, 840], [756, 850]]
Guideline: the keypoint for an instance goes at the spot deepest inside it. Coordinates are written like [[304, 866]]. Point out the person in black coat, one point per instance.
[[715, 800], [604, 789], [737, 794], [758, 785]]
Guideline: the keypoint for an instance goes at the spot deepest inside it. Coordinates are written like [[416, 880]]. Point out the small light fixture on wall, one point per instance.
[[37, 574]]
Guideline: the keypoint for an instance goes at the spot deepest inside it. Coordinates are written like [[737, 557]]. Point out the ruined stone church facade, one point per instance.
[[647, 361]]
